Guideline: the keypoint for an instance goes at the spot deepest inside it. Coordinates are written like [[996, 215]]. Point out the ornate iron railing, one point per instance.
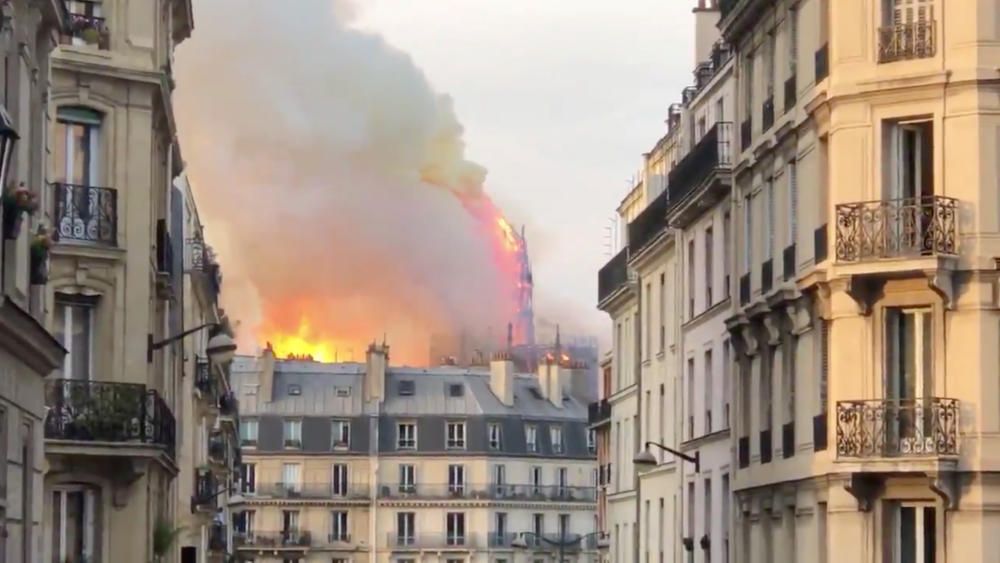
[[281, 539], [312, 490], [897, 428], [649, 224], [100, 411], [434, 541], [84, 24], [86, 213], [206, 490], [913, 40], [712, 152], [612, 275], [869, 230], [598, 411]]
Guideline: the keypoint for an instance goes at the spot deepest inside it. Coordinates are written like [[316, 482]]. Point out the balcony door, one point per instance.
[[73, 327], [909, 211], [909, 380], [912, 533], [74, 520], [82, 213]]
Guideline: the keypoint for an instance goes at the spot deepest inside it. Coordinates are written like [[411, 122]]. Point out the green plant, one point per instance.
[[164, 537]]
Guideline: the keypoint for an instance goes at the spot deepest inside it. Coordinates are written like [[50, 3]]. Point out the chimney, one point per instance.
[[502, 378], [550, 380], [706, 18], [266, 389], [377, 362]]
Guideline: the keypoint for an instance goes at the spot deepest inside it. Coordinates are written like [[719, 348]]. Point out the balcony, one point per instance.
[[306, 491], [648, 225], [107, 413], [767, 113], [694, 184], [206, 488], [599, 412], [85, 214], [897, 428], [898, 228], [541, 493], [791, 92], [821, 60], [458, 542], [504, 539], [287, 539], [612, 276], [86, 26], [906, 41]]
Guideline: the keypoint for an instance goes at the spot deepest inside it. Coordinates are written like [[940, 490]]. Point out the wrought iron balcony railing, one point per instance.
[[488, 491], [217, 538], [895, 228], [86, 24], [913, 40], [335, 538], [436, 541], [294, 539], [85, 214], [649, 224], [598, 411], [613, 275], [712, 152], [103, 411], [897, 428], [311, 490], [206, 487]]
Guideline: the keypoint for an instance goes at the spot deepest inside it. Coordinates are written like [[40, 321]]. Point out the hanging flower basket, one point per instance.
[[16, 202], [39, 267]]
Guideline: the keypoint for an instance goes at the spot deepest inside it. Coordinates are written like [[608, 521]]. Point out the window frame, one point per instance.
[[406, 442], [344, 427], [557, 438], [531, 438], [292, 440], [455, 435]]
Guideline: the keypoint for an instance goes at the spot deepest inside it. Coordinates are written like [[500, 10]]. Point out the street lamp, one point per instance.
[[221, 347], [646, 460], [520, 541]]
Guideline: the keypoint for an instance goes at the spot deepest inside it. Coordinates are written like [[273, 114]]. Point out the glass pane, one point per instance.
[[74, 526], [56, 526], [59, 331], [80, 151], [907, 534], [59, 152], [80, 342]]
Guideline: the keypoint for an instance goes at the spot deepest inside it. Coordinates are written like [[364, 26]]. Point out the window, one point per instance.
[[769, 65], [338, 526], [726, 220], [538, 527], [456, 390], [707, 515], [663, 312], [500, 479], [647, 326], [725, 516], [536, 480], [701, 127], [793, 42], [727, 385], [690, 276], [290, 526], [788, 378], [73, 327], [496, 436], [407, 478], [913, 533], [291, 477], [592, 441], [746, 388], [338, 482], [909, 377], [531, 437], [563, 525], [769, 218], [709, 273], [690, 511], [562, 480], [406, 528], [294, 390], [74, 512], [910, 161], [76, 147], [406, 388], [343, 391], [793, 202], [690, 399], [456, 479], [709, 382], [244, 524], [456, 528], [406, 436], [824, 359], [293, 433], [748, 80], [456, 435], [248, 432], [556, 433], [340, 434], [248, 478], [747, 233], [766, 379], [500, 527]]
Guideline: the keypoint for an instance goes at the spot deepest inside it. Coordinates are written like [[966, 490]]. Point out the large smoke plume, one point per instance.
[[333, 180]]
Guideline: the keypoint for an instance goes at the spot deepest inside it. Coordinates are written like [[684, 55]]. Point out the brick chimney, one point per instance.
[[502, 377]]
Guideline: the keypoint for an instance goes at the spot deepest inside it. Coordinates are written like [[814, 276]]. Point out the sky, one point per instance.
[[559, 99]]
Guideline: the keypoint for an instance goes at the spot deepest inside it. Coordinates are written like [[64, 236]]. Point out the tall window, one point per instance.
[[338, 526], [748, 80], [747, 233], [793, 202], [690, 510], [496, 436], [769, 65], [406, 528], [663, 312], [647, 326], [339, 481], [556, 433], [248, 432], [538, 527], [406, 436], [726, 254], [766, 395], [340, 434], [248, 478], [562, 480], [910, 160], [690, 398], [456, 528], [456, 479], [563, 525], [75, 517], [690, 276], [290, 524], [531, 437], [500, 527], [536, 480], [793, 42], [824, 359], [727, 385], [76, 147], [788, 378], [709, 267], [292, 431], [592, 441], [913, 533], [73, 327], [709, 382], [500, 479], [707, 516], [769, 218], [456, 435], [291, 477], [407, 478], [725, 516]]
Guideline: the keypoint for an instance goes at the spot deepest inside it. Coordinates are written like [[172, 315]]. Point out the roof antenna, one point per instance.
[[510, 336]]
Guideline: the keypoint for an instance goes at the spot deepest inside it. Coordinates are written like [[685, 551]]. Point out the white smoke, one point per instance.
[[326, 168]]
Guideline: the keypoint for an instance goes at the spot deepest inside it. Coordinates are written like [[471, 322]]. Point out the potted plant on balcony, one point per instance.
[[92, 31], [16, 201], [40, 245], [163, 538]]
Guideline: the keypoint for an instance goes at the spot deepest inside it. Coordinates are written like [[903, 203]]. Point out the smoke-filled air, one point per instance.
[[325, 156]]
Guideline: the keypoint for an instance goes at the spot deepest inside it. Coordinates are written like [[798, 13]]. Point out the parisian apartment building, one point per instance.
[[807, 286], [368, 462], [117, 426]]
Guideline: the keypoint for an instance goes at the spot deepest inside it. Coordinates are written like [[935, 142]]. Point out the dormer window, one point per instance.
[[343, 391], [456, 435], [556, 433], [294, 389], [496, 436], [406, 388], [406, 436], [456, 390], [341, 434], [292, 432]]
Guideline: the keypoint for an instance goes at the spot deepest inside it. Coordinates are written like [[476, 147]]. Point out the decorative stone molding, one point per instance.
[[772, 325], [864, 488], [945, 485], [800, 318], [750, 345], [943, 283]]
